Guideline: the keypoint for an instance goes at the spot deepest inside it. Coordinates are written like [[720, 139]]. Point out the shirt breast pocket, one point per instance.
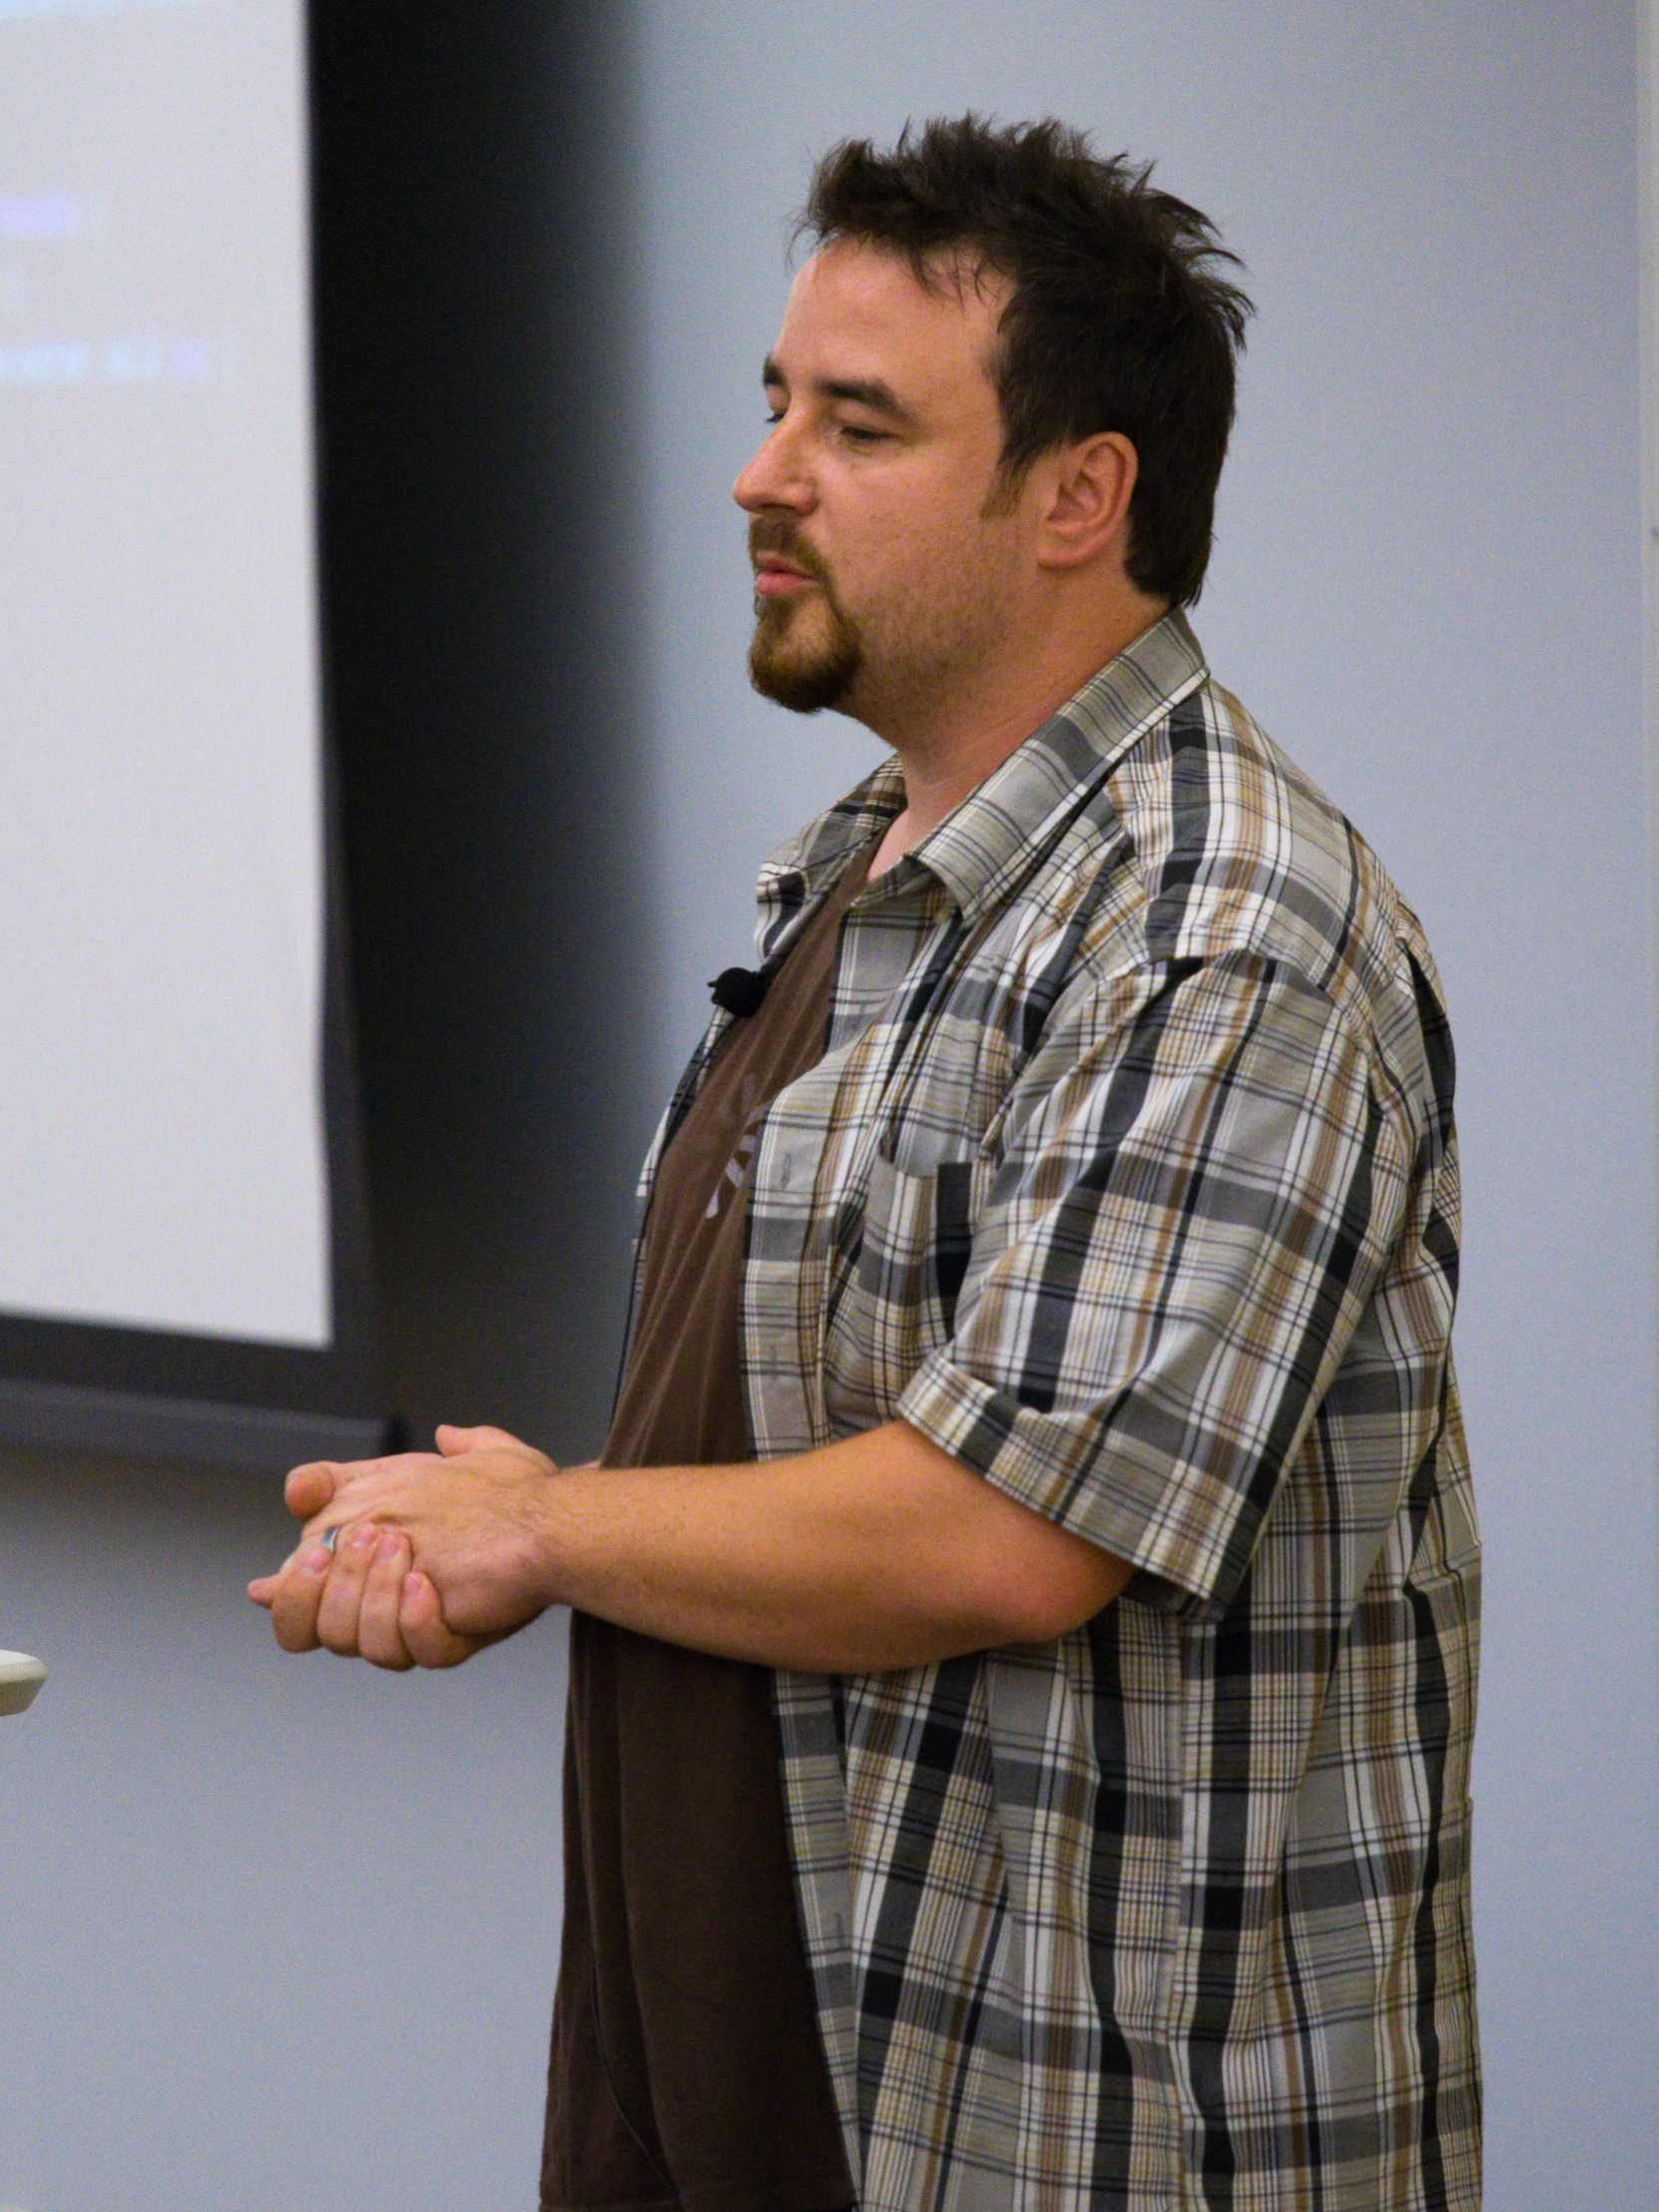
[[897, 1299]]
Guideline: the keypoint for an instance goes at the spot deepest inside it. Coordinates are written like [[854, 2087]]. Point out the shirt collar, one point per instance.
[[990, 837], [988, 840]]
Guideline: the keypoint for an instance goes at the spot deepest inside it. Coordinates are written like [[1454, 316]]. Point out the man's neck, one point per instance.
[[955, 749]]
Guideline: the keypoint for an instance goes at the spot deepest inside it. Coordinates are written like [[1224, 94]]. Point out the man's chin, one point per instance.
[[806, 683]]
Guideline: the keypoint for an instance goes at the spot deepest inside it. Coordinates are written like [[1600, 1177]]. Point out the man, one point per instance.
[[1050, 1259]]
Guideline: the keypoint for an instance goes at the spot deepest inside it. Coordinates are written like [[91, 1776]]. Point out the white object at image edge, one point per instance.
[[20, 1678]]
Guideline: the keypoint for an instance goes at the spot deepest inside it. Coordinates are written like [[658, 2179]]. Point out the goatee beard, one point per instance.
[[804, 676], [805, 679]]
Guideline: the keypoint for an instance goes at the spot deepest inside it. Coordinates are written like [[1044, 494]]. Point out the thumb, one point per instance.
[[453, 1442], [309, 1490]]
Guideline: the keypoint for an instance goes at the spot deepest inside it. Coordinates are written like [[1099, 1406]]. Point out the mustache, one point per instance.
[[780, 534]]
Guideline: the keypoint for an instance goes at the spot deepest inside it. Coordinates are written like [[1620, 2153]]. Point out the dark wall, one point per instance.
[[480, 559]]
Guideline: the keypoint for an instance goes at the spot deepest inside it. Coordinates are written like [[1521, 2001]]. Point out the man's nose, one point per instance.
[[774, 478]]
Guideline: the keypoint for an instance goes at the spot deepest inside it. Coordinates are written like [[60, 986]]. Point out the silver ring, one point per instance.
[[329, 1538]]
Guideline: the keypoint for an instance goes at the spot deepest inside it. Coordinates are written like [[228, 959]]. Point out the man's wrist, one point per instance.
[[552, 1533]]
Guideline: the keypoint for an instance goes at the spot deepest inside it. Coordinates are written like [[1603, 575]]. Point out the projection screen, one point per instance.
[[177, 1185]]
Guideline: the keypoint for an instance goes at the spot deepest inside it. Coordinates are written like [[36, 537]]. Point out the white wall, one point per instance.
[[281, 1935], [1426, 585]]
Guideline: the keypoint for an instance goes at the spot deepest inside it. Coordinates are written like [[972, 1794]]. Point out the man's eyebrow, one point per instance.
[[860, 391], [866, 393]]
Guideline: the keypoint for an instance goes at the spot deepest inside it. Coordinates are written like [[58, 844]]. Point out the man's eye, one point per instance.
[[775, 415], [856, 433]]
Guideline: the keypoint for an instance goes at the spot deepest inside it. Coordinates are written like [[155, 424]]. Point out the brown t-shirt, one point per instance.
[[686, 2066]]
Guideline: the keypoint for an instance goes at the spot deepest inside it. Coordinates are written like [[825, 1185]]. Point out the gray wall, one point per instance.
[[275, 1934], [282, 1934]]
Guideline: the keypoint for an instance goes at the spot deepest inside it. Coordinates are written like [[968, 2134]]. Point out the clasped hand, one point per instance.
[[439, 1553]]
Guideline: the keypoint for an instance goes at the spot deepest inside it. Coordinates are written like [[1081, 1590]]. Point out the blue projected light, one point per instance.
[[44, 214], [14, 10], [45, 364]]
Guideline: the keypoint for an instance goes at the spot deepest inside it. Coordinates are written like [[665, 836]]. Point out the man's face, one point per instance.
[[880, 580]]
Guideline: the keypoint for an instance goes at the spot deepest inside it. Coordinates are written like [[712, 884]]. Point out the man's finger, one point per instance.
[[263, 1588], [342, 1594], [379, 1638], [296, 1595], [431, 1641]]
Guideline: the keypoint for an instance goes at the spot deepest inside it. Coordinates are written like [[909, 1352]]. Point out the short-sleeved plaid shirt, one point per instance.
[[1128, 1177]]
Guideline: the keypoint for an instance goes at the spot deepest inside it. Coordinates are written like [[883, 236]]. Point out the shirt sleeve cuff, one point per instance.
[[1162, 1517]]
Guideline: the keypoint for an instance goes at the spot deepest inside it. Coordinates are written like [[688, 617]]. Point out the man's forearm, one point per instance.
[[877, 1552]]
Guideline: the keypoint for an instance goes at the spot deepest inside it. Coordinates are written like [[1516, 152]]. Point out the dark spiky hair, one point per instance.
[[1119, 316]]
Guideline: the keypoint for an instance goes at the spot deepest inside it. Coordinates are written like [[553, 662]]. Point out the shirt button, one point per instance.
[[786, 1172]]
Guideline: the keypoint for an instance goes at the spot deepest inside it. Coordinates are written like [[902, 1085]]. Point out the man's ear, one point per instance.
[[1086, 506]]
